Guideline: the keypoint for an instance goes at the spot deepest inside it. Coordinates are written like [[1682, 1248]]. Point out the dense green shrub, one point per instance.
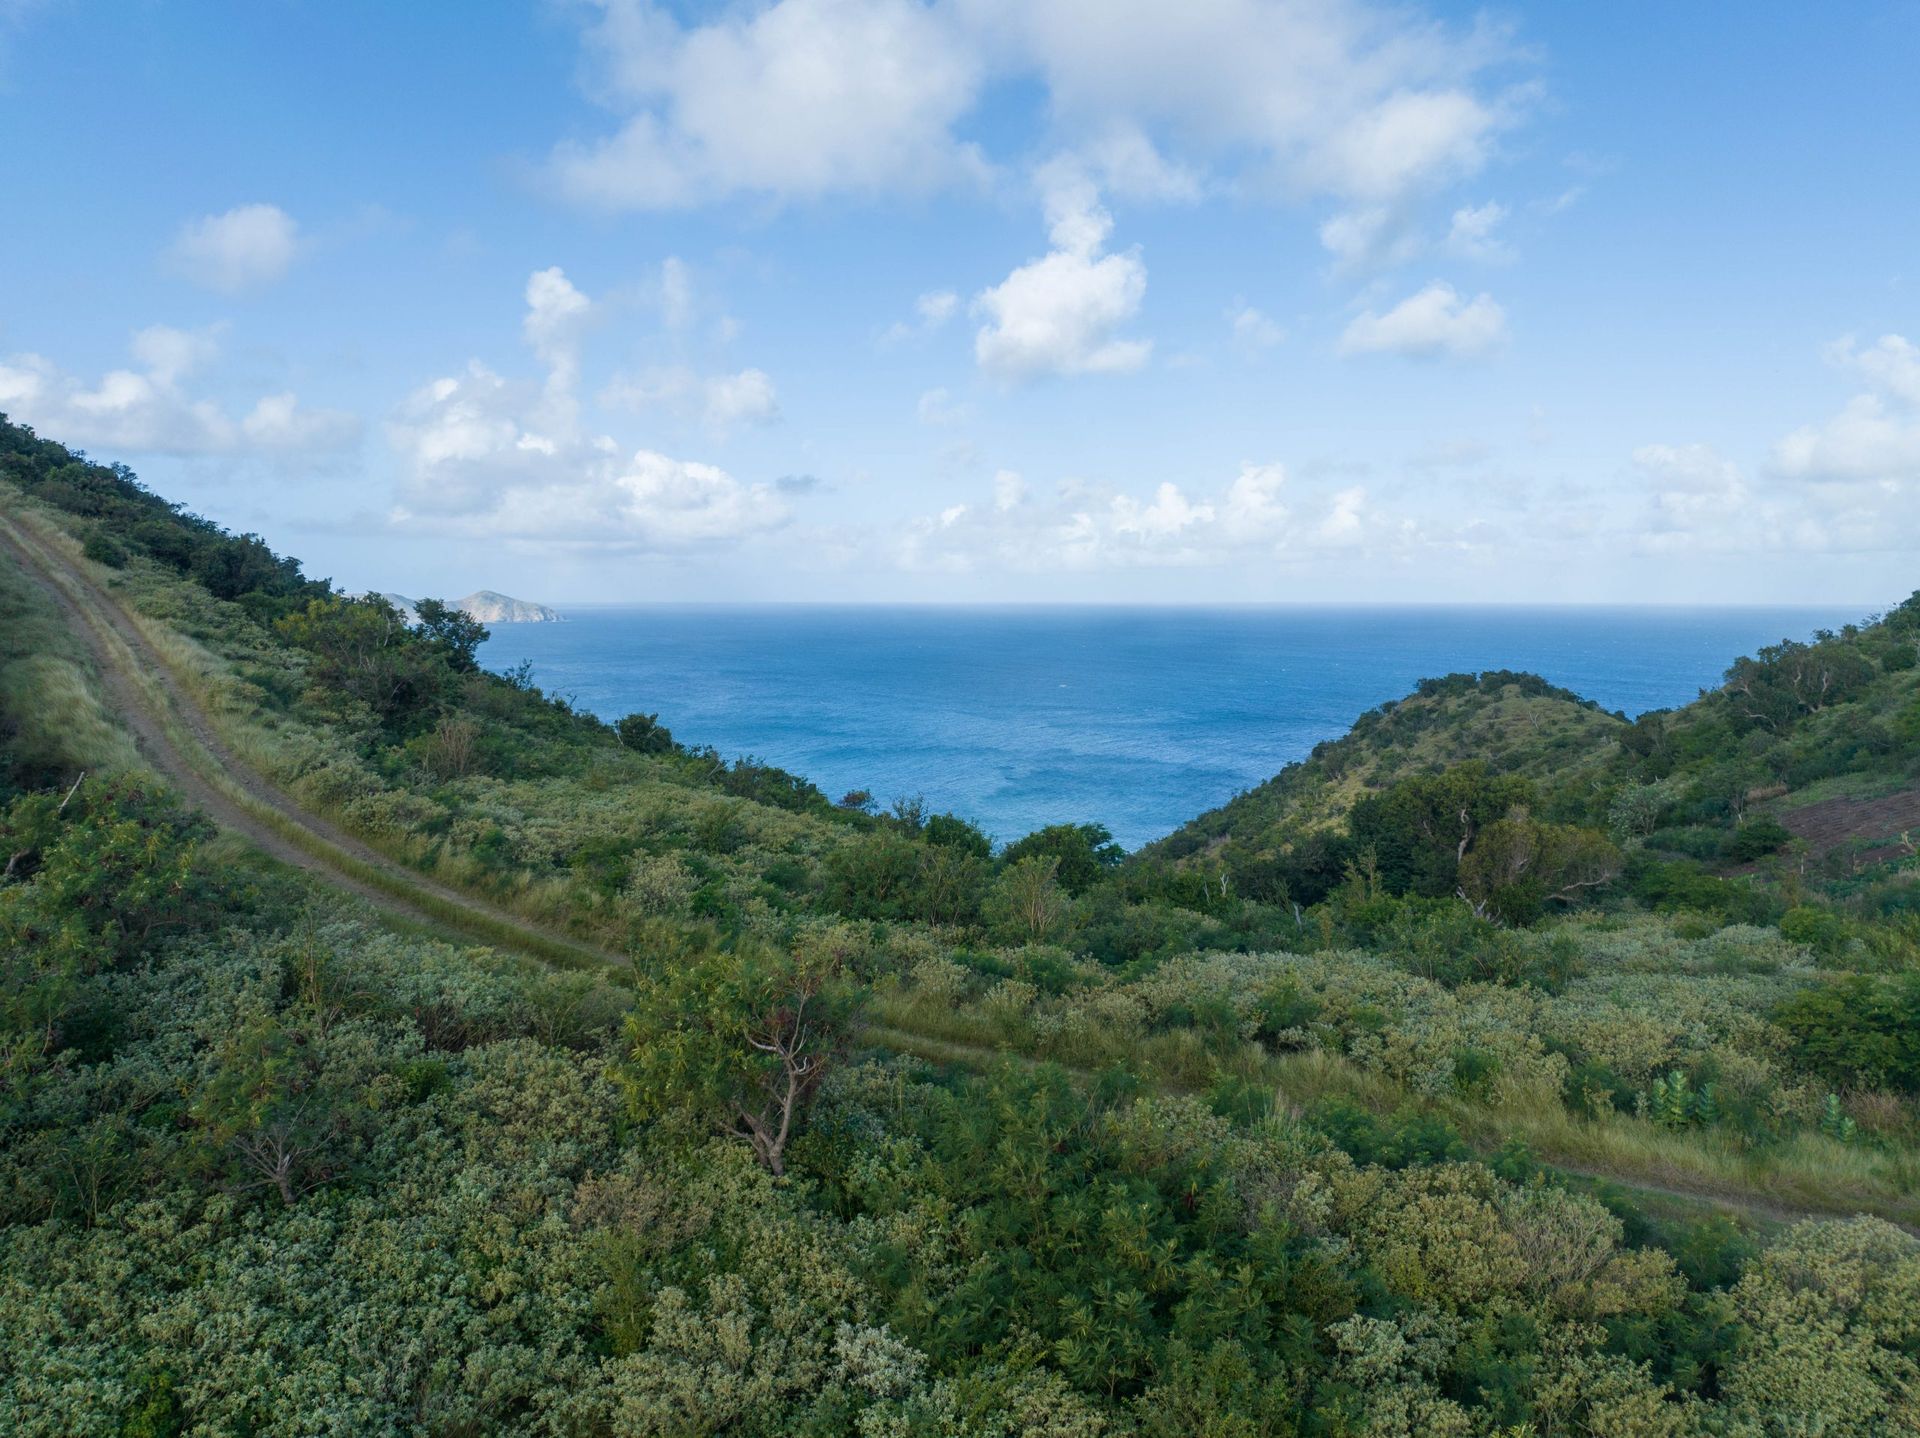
[[1858, 1030], [1755, 839]]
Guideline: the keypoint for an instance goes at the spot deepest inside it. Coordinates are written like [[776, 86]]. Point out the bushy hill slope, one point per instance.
[[1512, 723]]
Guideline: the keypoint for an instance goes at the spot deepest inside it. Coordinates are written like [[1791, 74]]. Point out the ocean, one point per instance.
[[1138, 719]]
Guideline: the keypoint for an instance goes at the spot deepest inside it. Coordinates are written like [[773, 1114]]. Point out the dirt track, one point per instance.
[[175, 736]]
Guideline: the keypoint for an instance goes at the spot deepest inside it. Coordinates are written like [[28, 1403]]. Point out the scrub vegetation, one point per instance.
[[1506, 1068]]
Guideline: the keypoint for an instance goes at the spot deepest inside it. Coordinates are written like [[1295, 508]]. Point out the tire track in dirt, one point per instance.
[[167, 724]]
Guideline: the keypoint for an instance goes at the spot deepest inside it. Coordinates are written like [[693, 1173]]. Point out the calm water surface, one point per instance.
[[1137, 718]]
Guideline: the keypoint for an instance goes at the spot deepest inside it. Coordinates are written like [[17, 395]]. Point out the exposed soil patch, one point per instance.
[[1830, 824]]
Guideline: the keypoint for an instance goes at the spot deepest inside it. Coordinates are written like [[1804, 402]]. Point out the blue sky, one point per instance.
[[982, 300]]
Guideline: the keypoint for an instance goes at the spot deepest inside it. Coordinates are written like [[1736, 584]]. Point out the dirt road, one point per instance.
[[176, 737]]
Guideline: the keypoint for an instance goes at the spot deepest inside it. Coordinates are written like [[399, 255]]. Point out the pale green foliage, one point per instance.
[[1830, 1333]]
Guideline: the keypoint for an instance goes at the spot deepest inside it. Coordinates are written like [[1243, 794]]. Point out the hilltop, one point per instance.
[[1286, 832]]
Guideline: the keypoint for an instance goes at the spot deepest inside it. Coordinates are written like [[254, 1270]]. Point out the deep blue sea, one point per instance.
[[1136, 718]]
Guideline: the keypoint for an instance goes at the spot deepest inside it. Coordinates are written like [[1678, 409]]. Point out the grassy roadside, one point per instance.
[[1807, 1174]]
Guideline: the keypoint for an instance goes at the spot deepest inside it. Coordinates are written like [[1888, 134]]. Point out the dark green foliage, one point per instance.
[[452, 634], [1755, 839], [888, 875], [1086, 852], [362, 648], [736, 1042], [1405, 1139], [1788, 681], [953, 833], [1125, 1257], [1859, 1030], [1418, 830], [103, 548], [645, 734]]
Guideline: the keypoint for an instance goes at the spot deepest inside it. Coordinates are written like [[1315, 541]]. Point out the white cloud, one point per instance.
[[247, 248], [937, 407], [743, 398], [1436, 321], [1344, 524], [1472, 233], [1083, 528], [1058, 314], [1170, 514], [494, 458], [149, 410], [557, 316], [1891, 364], [1372, 238], [1252, 331], [1697, 500], [930, 313], [676, 293], [278, 423], [720, 402], [798, 99], [1368, 104], [937, 308], [169, 355], [1876, 435], [1700, 502]]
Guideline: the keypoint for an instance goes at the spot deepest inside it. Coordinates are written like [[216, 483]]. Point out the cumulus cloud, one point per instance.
[[557, 315], [1434, 322], [1252, 331], [247, 248], [1474, 232], [150, 409], [931, 311], [1059, 314], [720, 402], [743, 398], [937, 407], [1365, 103], [1361, 101], [1089, 528], [490, 457], [937, 308], [798, 99], [1876, 436], [1697, 500]]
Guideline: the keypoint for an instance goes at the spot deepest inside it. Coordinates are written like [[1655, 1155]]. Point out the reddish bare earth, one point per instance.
[[1832, 823]]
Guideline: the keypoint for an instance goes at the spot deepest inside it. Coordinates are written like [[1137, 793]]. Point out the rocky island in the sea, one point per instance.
[[489, 606]]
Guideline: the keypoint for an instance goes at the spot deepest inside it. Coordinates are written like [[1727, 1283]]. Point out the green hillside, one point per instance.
[[387, 1047]]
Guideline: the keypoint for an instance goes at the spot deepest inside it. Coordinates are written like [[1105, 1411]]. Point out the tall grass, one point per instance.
[[47, 690]]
